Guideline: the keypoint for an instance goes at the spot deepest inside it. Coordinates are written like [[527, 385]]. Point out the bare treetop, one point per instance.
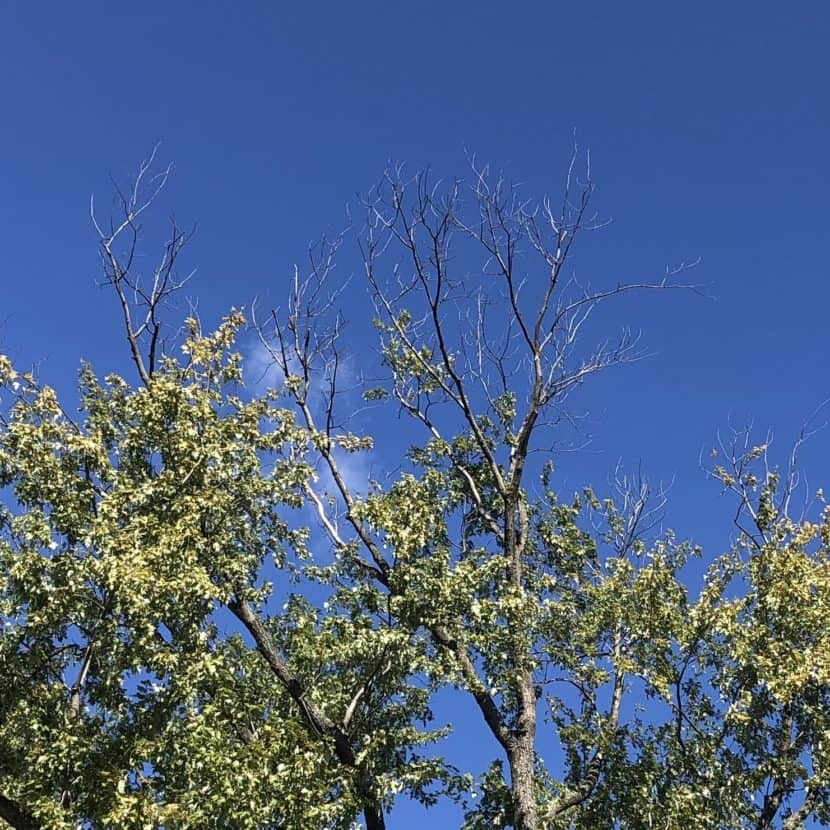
[[142, 296]]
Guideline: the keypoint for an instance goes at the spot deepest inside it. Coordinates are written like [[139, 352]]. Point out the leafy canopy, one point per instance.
[[206, 624]]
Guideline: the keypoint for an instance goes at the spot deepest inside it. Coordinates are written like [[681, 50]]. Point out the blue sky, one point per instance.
[[708, 127]]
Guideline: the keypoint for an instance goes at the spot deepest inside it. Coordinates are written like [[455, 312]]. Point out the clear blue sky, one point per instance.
[[708, 125]]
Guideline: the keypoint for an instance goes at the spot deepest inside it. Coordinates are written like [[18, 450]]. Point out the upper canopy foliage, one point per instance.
[[180, 649]]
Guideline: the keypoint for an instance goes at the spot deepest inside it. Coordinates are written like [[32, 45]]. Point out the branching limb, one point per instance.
[[382, 667], [590, 779], [486, 704], [764, 492], [299, 345], [141, 298], [16, 815], [317, 721], [80, 682]]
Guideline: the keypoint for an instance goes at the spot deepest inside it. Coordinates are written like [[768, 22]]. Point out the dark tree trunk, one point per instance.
[[12, 813], [373, 813], [521, 757]]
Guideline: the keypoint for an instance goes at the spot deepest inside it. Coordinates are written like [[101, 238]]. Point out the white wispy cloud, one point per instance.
[[259, 369], [357, 468]]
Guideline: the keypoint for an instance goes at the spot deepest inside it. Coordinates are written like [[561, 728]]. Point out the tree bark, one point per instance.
[[13, 814], [373, 814], [521, 757], [525, 810]]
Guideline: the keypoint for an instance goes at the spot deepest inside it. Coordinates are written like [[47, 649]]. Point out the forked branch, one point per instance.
[[141, 297]]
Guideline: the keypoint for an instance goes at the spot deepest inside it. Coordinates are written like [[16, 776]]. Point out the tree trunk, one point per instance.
[[373, 814], [16, 816], [525, 811], [522, 756]]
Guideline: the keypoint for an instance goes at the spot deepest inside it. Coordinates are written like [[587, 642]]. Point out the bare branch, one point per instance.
[[141, 298]]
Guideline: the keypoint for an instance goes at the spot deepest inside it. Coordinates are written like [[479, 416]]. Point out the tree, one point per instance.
[[179, 650]]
